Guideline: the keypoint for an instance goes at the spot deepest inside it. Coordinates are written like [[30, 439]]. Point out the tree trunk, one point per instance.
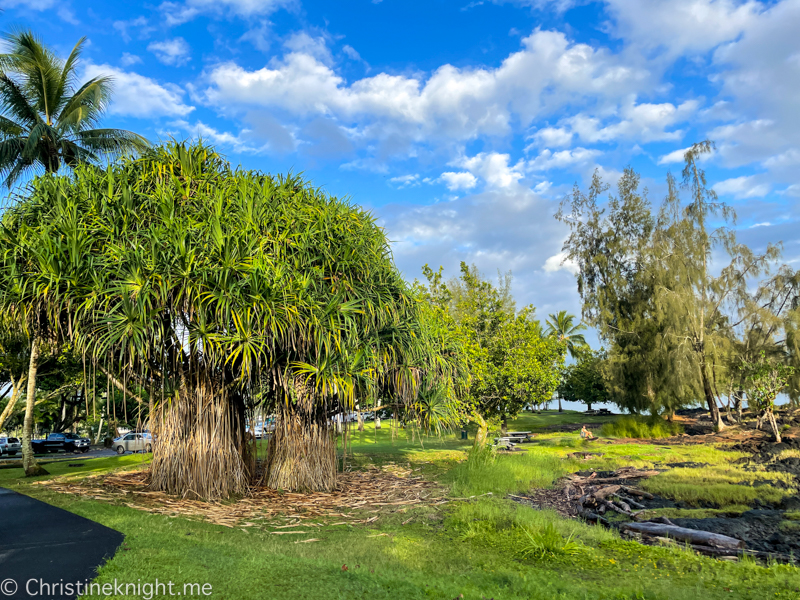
[[504, 426], [32, 469], [482, 433], [774, 424], [377, 421], [711, 400], [559, 404], [201, 450], [737, 404], [302, 452], [16, 393], [360, 421]]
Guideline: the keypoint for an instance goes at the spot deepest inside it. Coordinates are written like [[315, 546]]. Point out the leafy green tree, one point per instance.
[[511, 362], [48, 120], [584, 380], [765, 378]]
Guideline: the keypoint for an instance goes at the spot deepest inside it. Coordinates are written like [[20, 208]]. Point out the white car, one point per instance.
[[10, 445], [133, 442]]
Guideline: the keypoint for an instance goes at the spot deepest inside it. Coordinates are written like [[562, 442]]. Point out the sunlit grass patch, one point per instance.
[[722, 486], [733, 510], [487, 472], [640, 427]]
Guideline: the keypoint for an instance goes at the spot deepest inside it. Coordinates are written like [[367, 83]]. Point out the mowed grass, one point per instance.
[[485, 547]]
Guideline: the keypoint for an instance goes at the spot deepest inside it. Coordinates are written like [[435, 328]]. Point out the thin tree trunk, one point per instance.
[[559, 404], [504, 426], [28, 461], [16, 393], [711, 400], [360, 421], [483, 431], [774, 424]]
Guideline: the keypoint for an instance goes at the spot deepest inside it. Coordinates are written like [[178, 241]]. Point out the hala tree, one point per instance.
[[218, 290], [48, 119]]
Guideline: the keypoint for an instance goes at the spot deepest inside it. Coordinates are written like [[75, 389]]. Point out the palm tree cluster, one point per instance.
[[48, 121], [212, 291]]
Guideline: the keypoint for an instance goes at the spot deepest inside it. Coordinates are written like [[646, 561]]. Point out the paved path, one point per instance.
[[39, 542]]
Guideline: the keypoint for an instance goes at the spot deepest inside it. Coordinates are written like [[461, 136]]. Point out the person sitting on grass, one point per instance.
[[586, 434]]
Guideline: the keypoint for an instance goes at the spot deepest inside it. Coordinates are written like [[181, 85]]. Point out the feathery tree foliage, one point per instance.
[[675, 324], [215, 291], [49, 120]]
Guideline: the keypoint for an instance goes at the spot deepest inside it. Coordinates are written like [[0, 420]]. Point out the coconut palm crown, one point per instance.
[[562, 326], [47, 120]]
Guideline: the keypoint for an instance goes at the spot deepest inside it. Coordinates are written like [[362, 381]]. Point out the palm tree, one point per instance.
[[562, 326], [47, 123]]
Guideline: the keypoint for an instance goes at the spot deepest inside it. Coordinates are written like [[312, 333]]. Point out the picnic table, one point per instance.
[[512, 438]]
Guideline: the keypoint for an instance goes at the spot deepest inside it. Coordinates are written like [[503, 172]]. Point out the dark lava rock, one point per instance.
[[759, 529], [790, 503]]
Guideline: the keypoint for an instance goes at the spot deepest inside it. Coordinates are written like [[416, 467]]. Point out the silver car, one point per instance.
[[133, 442], [9, 445]]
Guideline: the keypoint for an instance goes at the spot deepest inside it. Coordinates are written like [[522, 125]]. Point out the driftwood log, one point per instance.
[[692, 536]]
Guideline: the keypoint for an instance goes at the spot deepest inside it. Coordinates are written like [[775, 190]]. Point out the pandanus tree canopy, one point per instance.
[[174, 263]]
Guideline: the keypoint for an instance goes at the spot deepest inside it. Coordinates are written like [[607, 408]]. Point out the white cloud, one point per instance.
[[552, 137], [559, 262], [742, 187], [764, 224], [508, 228], [453, 103], [458, 181], [645, 122], [760, 73], [676, 156], [171, 52], [137, 26], [562, 159], [493, 168], [405, 180], [139, 96], [176, 13], [129, 59], [681, 26]]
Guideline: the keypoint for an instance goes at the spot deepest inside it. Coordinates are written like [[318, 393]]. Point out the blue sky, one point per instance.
[[462, 125]]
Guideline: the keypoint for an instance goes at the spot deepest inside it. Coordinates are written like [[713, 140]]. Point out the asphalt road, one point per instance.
[[41, 545]]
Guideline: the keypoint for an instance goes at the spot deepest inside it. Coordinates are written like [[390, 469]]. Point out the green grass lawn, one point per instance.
[[486, 547]]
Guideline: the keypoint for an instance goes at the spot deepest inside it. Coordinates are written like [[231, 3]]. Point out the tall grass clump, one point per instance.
[[640, 428], [487, 471]]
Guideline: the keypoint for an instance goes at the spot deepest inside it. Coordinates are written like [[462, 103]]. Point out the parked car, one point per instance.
[[133, 442], [68, 442], [9, 445]]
